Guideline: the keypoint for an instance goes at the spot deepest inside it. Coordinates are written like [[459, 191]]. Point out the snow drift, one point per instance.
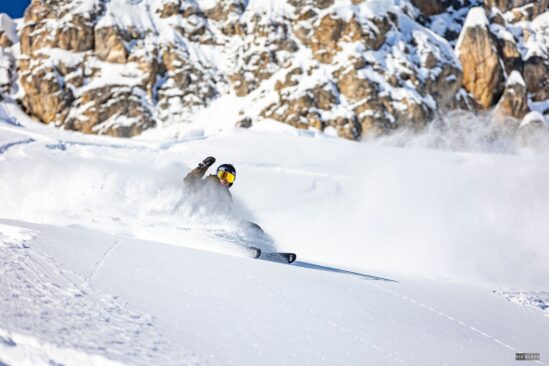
[[461, 214]]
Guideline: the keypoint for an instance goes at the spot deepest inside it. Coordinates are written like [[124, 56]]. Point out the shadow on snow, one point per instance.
[[319, 267]]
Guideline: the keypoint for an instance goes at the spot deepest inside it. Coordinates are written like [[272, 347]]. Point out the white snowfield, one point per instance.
[[403, 253]]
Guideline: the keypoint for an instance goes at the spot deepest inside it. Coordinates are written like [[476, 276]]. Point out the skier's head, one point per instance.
[[226, 174]]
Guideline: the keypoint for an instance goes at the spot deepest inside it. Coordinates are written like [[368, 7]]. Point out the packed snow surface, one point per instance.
[[406, 255]]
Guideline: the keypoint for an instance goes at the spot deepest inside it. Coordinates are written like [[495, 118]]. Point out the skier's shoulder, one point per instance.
[[214, 181]]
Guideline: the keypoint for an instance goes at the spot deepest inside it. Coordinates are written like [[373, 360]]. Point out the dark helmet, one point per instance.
[[226, 172]]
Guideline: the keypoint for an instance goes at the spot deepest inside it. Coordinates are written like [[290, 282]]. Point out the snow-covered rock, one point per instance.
[[105, 66], [7, 70], [8, 33], [121, 67], [507, 47], [358, 67], [518, 10], [482, 72], [8, 36], [514, 101], [429, 7]]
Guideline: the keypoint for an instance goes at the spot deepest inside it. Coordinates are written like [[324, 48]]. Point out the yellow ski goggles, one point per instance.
[[226, 176]]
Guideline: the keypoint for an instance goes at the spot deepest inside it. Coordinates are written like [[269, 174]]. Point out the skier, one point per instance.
[[215, 188], [214, 193], [220, 182]]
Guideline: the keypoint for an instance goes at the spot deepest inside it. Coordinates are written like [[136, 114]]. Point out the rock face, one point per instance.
[[105, 66], [46, 96], [7, 69], [355, 67], [528, 8], [514, 101], [536, 73], [8, 37], [477, 50], [357, 94], [60, 24], [429, 7]]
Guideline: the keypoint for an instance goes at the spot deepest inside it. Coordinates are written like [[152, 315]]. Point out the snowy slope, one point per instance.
[[105, 256], [239, 311]]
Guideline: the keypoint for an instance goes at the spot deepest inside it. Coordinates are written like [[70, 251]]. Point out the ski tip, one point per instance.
[[254, 251]]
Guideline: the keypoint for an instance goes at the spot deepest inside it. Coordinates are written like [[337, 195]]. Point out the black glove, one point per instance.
[[206, 163]]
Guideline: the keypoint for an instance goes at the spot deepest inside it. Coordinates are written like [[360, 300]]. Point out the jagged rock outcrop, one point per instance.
[[350, 67], [111, 44], [514, 101], [187, 18], [184, 85], [536, 74], [360, 94], [303, 110], [103, 66], [518, 10], [325, 38], [482, 72], [508, 51], [429, 7], [47, 27], [47, 96], [227, 13], [268, 48], [8, 34], [60, 24], [7, 69], [8, 37], [111, 110], [5, 41]]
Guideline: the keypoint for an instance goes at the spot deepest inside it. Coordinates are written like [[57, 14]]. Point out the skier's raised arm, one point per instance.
[[198, 173]]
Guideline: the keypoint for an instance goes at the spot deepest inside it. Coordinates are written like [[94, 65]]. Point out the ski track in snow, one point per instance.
[[103, 258], [451, 318], [39, 298], [11, 121], [6, 147]]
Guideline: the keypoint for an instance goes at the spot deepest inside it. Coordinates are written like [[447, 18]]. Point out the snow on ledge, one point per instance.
[[476, 17], [532, 117], [8, 26], [515, 78]]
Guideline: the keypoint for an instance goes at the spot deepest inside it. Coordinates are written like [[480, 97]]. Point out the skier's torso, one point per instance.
[[216, 189]]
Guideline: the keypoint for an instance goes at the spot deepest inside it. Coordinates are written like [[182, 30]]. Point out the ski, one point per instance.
[[279, 257], [271, 256]]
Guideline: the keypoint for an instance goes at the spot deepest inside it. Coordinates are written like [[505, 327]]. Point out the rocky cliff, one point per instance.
[[355, 67]]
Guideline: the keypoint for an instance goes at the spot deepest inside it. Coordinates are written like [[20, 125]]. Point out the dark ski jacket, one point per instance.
[[195, 180]]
